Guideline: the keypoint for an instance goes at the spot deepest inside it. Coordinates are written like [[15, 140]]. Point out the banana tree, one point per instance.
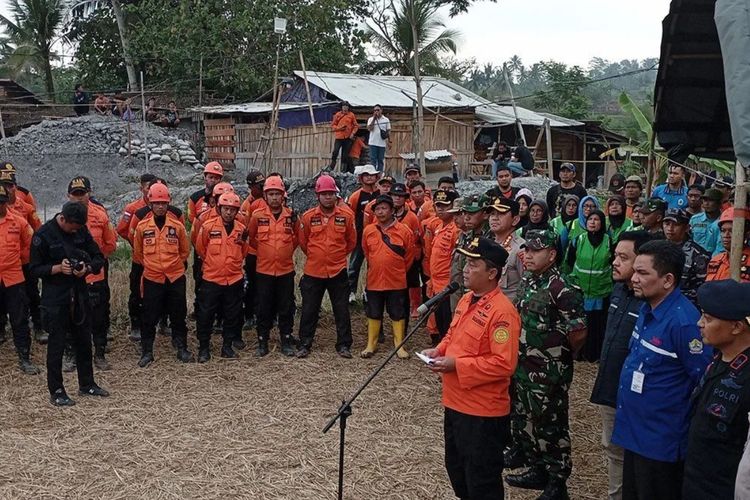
[[656, 162]]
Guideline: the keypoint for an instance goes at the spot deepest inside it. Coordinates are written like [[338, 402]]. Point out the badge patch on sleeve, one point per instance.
[[501, 335], [696, 346]]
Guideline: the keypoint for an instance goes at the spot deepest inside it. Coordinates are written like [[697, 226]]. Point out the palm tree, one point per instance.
[[515, 65], [29, 36], [390, 32]]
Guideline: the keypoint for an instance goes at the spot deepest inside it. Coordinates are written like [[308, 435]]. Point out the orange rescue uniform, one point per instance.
[[223, 254], [344, 125], [274, 239], [15, 244], [718, 267], [103, 234], [197, 204], [163, 252], [123, 226], [173, 213], [410, 220], [247, 208], [483, 339], [443, 244], [425, 211], [206, 216], [26, 211], [25, 195], [327, 240], [386, 269]]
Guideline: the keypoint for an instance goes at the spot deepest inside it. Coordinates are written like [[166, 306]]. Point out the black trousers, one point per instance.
[[62, 325], [214, 298], [135, 301], [356, 259], [250, 302], [312, 290], [275, 297], [99, 298], [159, 299], [344, 146], [198, 279], [15, 303], [443, 317], [32, 292], [646, 479], [474, 454]]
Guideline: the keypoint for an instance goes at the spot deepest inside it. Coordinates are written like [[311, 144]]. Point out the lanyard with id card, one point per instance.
[[637, 384]]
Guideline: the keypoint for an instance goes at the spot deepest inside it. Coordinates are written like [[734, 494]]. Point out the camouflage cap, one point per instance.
[[538, 239], [473, 204], [654, 205], [457, 206]]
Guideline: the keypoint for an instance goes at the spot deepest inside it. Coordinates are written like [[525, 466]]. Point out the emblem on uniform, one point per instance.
[[696, 346], [171, 231], [501, 335], [717, 410]]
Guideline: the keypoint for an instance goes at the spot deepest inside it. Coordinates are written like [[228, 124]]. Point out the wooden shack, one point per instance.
[[21, 107]]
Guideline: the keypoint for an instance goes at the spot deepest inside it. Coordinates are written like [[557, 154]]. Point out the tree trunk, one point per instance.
[[419, 153], [48, 80], [122, 28]]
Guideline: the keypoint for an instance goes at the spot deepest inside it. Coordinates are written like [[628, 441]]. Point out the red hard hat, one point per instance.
[[229, 200], [326, 184], [213, 167], [728, 215], [275, 183], [221, 188], [158, 192]]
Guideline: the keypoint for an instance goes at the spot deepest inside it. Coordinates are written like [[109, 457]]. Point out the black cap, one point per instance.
[[443, 197], [6, 165], [412, 167], [386, 178], [75, 212], [255, 177], [654, 205], [483, 248], [399, 189], [8, 176], [677, 215], [79, 183], [502, 204], [568, 166], [383, 198], [713, 195], [725, 299]]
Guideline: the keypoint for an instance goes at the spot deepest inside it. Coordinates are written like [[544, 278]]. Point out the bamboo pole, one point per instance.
[[738, 225], [200, 83], [2, 131], [309, 100], [513, 103], [418, 82], [548, 140], [651, 166], [146, 152]]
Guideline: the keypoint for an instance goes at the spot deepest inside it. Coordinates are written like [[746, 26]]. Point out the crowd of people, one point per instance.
[[638, 285], [119, 106]]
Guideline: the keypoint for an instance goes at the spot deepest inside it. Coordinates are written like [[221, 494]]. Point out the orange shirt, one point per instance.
[[356, 150], [164, 251], [409, 219], [386, 269], [274, 240], [443, 243], [344, 125], [718, 267], [327, 240], [104, 235], [26, 211], [483, 339], [223, 254], [247, 208], [429, 226], [173, 213], [202, 218], [15, 244], [123, 226], [26, 196], [425, 211]]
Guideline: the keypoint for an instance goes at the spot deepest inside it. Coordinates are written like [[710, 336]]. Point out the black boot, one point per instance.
[[146, 359], [556, 489], [184, 355], [513, 459], [228, 352], [533, 479], [287, 346], [262, 349], [238, 343], [204, 354], [26, 366]]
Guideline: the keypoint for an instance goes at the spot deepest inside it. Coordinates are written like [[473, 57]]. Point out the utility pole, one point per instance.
[[200, 83], [419, 154], [146, 152], [513, 103]]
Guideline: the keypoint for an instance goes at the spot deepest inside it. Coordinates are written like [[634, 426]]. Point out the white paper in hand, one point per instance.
[[424, 358]]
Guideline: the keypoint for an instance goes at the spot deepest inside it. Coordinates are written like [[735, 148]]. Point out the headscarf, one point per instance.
[[596, 237], [524, 218], [581, 218], [563, 214], [542, 224], [616, 221]]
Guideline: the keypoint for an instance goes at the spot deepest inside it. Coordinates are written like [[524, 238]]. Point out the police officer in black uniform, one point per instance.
[[721, 402], [62, 254]]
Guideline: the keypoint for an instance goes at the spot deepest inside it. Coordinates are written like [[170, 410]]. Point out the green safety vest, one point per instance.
[[593, 267]]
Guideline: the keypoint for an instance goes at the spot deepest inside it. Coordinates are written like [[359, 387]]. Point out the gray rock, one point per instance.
[[154, 157], [165, 158], [122, 151]]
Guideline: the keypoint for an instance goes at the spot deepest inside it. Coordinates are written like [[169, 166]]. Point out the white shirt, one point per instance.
[[382, 123]]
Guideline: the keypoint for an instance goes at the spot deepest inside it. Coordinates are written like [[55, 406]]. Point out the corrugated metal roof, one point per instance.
[[428, 155], [497, 114], [247, 108]]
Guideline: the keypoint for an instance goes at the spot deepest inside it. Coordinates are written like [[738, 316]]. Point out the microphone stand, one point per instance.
[[345, 410]]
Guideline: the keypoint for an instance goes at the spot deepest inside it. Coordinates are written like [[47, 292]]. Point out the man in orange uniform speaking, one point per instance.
[[477, 359], [272, 231], [222, 245], [162, 245], [389, 248]]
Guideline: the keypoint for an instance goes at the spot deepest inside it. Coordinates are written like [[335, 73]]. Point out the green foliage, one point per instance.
[[563, 95], [99, 60], [456, 6]]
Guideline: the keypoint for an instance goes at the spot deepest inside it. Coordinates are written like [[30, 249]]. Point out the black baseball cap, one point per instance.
[[483, 248], [383, 198], [443, 197], [79, 183], [399, 189], [255, 177], [725, 299], [677, 215], [503, 205]]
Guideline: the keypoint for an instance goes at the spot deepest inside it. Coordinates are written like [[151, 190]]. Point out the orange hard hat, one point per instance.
[[213, 167], [326, 184], [221, 188], [274, 182], [229, 200], [158, 192], [728, 215]]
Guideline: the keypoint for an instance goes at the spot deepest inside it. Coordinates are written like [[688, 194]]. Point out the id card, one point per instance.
[[637, 384]]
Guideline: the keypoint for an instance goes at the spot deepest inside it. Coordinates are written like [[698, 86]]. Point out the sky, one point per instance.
[[569, 31]]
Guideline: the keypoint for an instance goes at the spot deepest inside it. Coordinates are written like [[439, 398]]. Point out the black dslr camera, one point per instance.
[[79, 260]]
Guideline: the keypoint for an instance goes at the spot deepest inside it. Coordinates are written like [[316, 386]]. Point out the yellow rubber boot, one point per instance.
[[399, 329], [373, 329]]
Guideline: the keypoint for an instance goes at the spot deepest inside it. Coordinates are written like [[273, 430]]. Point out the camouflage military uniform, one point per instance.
[[473, 204], [694, 270], [550, 307]]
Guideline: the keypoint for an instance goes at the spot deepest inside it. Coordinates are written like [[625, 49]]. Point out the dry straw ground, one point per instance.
[[244, 428]]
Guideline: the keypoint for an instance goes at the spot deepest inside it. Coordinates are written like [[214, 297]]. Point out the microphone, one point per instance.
[[437, 298]]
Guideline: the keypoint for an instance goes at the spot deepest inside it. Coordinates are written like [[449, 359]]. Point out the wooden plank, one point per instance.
[[218, 121], [213, 132], [250, 126], [212, 143], [218, 155]]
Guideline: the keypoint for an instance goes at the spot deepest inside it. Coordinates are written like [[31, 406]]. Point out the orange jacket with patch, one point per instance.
[[443, 244], [483, 339], [410, 220], [26, 196], [356, 150], [123, 226], [327, 240], [344, 125], [173, 213], [104, 235], [274, 240], [204, 217], [386, 267], [223, 254], [718, 267], [424, 212], [247, 208], [197, 204], [26, 211], [428, 233], [15, 244], [164, 251]]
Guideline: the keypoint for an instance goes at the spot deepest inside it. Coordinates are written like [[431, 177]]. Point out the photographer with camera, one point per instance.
[[63, 253]]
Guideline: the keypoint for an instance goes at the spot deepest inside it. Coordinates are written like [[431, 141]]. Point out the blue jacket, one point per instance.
[[674, 199], [666, 347], [706, 232]]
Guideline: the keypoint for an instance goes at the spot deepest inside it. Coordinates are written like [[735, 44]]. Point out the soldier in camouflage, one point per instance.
[[475, 220], [676, 226], [553, 325]]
